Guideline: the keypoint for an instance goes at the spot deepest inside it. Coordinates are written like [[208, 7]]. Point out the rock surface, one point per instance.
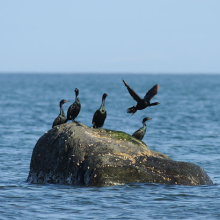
[[72, 153]]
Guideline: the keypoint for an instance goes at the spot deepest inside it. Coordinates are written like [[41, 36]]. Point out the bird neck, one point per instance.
[[102, 107], [77, 100], [144, 128], [62, 111]]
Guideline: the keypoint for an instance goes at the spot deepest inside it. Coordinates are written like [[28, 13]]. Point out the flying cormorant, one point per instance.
[[142, 103]]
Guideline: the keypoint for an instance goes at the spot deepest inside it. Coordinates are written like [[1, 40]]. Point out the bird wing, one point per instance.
[[151, 93], [56, 121], [135, 96], [94, 117], [70, 109], [137, 134]]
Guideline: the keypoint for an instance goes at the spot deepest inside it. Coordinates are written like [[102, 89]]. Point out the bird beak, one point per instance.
[[67, 101]]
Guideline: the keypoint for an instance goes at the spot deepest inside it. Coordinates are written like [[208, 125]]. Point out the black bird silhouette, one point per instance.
[[139, 134], [61, 118], [142, 103], [74, 109], [100, 115]]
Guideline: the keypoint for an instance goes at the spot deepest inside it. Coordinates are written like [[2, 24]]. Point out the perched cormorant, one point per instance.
[[100, 115], [142, 103], [61, 118], [139, 134], [74, 109]]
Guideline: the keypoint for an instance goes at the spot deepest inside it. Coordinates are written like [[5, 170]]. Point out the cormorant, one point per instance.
[[139, 134], [100, 115], [74, 109], [142, 103], [61, 118]]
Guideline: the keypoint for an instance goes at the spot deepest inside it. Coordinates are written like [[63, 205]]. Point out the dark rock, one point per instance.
[[72, 153]]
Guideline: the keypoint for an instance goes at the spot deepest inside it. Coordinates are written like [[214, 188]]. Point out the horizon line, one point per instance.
[[124, 72]]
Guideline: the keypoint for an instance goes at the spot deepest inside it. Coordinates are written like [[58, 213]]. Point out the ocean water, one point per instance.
[[185, 127]]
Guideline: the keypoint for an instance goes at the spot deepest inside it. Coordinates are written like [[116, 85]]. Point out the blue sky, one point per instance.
[[117, 36]]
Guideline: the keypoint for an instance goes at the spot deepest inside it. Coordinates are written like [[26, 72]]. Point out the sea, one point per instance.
[[185, 126]]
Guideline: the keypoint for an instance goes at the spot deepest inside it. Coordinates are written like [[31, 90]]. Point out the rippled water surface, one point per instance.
[[185, 127]]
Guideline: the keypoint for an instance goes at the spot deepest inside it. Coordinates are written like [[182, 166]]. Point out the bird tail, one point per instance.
[[132, 110]]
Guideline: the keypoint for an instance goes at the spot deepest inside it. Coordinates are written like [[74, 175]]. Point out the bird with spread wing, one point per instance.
[[142, 103]]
